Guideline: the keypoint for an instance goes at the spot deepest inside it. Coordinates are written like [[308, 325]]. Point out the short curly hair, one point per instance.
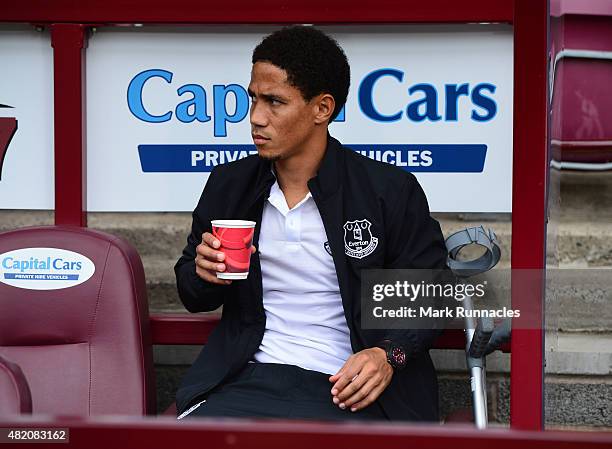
[[314, 62]]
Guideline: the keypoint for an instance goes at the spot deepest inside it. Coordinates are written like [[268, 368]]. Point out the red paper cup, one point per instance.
[[236, 237]]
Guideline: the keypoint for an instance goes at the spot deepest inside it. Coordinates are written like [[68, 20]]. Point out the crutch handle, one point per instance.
[[501, 335], [482, 334]]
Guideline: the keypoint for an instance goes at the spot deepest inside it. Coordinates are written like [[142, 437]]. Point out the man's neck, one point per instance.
[[294, 173]]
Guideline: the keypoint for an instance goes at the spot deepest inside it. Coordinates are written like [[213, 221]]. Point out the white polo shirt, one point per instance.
[[305, 323]]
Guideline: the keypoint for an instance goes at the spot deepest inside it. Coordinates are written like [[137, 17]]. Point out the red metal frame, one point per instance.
[[164, 433], [529, 17], [263, 11], [69, 42]]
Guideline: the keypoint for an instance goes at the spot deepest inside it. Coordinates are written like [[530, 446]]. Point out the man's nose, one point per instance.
[[257, 115]]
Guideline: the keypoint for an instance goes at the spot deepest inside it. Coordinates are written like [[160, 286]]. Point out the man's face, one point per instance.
[[282, 122]]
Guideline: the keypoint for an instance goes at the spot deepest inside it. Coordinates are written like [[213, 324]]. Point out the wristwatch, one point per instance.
[[396, 355]]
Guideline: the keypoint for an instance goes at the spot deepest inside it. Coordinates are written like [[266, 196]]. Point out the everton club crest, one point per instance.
[[358, 239]]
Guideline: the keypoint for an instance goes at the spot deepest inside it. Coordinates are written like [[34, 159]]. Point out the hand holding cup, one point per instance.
[[218, 264]]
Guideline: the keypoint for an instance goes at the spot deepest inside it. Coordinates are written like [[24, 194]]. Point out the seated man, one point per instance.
[[290, 344]]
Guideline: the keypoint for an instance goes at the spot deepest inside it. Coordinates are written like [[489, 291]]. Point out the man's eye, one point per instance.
[[275, 102]]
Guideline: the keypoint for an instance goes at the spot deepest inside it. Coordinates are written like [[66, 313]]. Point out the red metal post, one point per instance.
[[529, 207], [69, 42]]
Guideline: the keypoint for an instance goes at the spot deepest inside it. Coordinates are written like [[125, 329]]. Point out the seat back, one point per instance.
[[84, 348], [14, 390]]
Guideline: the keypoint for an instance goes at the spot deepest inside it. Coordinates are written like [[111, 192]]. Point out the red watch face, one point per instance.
[[398, 356]]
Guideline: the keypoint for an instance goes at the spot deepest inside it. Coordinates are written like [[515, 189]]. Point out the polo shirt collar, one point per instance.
[[277, 199]]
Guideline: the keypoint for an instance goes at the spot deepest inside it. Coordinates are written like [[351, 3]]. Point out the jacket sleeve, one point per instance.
[[414, 241], [196, 294]]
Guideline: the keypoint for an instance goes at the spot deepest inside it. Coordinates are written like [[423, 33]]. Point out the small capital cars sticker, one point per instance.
[[44, 268]]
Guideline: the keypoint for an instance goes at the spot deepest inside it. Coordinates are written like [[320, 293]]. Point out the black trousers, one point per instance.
[[270, 390]]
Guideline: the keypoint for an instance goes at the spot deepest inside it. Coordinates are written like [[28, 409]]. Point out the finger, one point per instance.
[[356, 383], [359, 394], [335, 379], [209, 265], [253, 249], [353, 387], [336, 376], [341, 371], [345, 379], [211, 240], [207, 270], [209, 253], [369, 399], [211, 276]]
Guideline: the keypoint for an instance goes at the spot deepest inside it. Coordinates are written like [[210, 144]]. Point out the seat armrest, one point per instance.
[[14, 389]]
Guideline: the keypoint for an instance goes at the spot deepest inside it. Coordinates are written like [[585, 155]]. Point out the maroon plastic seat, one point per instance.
[[85, 349], [14, 390]]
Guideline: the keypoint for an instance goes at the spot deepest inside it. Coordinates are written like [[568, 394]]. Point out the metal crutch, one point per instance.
[[477, 332]]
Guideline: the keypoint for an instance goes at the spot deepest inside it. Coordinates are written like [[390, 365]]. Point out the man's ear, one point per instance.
[[325, 105]]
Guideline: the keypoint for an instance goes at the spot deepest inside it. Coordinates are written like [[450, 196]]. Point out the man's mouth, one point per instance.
[[258, 139]]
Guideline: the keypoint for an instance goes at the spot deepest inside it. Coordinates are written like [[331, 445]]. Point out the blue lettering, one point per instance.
[[486, 103], [366, 88], [134, 95], [430, 101], [423, 108], [6, 262], [222, 117], [198, 101], [453, 92], [56, 264]]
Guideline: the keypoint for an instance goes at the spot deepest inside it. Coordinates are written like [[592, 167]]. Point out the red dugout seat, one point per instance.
[[84, 349]]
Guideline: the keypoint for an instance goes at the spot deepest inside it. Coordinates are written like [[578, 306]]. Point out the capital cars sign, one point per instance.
[[165, 107], [44, 268]]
